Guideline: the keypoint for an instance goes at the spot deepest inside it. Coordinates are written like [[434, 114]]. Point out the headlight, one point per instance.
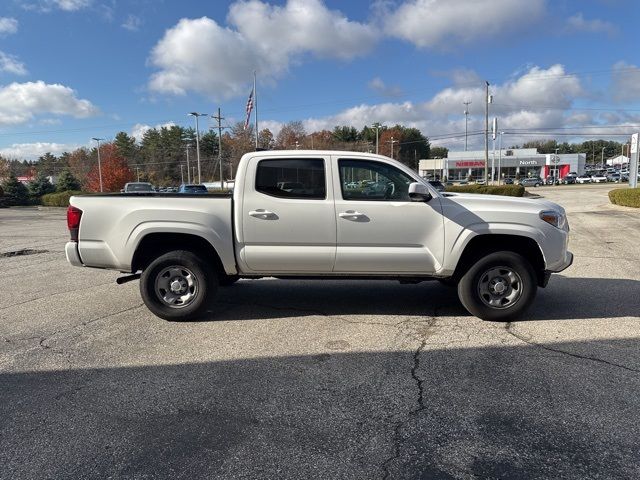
[[554, 218]]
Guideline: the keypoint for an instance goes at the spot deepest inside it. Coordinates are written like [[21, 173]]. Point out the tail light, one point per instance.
[[73, 221]]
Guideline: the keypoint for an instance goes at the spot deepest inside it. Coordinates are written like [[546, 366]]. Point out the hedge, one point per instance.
[[506, 190], [60, 199], [628, 197]]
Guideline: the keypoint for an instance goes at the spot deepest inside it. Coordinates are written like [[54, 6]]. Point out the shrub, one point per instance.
[[60, 199], [628, 197], [506, 190], [15, 192]]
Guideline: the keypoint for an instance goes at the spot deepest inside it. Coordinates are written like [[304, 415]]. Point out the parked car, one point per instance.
[[138, 187], [508, 181], [437, 184], [613, 177], [598, 178], [530, 182], [569, 180], [193, 189], [583, 179], [551, 180], [498, 250]]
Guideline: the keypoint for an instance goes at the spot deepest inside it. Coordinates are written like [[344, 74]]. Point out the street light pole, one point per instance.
[[392, 141], [99, 165], [602, 158], [500, 158], [377, 127], [182, 173], [197, 115], [466, 121]]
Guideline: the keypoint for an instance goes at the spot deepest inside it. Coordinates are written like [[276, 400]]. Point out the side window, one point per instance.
[[302, 178], [373, 181]]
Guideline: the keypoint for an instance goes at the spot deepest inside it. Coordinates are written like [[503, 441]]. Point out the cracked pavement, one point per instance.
[[335, 379]]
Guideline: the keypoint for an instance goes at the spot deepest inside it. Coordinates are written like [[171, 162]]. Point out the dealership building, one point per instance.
[[522, 162]]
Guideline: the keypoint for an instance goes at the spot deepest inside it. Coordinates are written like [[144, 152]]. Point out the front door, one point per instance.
[[380, 230], [288, 216]]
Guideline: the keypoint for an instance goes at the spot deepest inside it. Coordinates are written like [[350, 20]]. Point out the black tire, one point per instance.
[[478, 287], [196, 285], [227, 280]]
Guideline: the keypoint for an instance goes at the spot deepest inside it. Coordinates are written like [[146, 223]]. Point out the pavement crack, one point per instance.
[[528, 341], [397, 444]]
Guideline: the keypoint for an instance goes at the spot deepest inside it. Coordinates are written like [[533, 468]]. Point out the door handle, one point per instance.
[[351, 214], [261, 213]]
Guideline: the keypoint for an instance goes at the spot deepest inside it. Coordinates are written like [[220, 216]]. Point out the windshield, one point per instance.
[[139, 187]]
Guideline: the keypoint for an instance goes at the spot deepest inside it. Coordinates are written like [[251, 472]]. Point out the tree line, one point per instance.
[[159, 155]]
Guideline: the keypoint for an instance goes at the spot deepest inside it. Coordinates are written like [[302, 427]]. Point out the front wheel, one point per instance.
[[498, 287], [178, 286]]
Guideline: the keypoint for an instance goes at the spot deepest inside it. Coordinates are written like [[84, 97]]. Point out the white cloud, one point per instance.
[[538, 98], [8, 26], [577, 23], [20, 102], [139, 129], [31, 151], [381, 88], [441, 23], [132, 23], [48, 5], [202, 56], [11, 64], [625, 82]]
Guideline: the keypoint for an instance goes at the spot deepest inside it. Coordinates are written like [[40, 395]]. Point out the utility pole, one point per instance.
[[466, 121], [197, 115], [219, 118], [486, 133], [602, 158], [182, 173], [99, 165], [500, 158], [377, 127], [138, 173]]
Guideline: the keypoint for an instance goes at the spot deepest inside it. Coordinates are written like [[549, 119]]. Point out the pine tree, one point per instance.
[[15, 192], [40, 186], [66, 182]]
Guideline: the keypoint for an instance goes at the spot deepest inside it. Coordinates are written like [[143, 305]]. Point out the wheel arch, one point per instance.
[[481, 245], [153, 245]]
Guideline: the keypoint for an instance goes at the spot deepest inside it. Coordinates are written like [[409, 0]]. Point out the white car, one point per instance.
[[598, 178], [583, 179], [497, 250]]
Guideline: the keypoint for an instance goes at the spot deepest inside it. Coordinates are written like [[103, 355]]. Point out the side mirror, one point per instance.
[[418, 192]]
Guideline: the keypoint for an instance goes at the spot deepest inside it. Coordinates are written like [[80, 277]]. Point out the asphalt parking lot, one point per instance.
[[336, 379]]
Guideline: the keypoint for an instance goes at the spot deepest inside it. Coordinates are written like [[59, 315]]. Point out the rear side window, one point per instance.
[[302, 178]]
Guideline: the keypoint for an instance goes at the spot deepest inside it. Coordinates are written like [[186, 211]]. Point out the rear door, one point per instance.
[[288, 217], [379, 229]]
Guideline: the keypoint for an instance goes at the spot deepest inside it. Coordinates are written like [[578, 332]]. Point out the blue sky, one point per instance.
[[74, 69]]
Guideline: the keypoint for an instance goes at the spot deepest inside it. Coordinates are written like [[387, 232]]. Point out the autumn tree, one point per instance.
[[291, 133], [115, 171]]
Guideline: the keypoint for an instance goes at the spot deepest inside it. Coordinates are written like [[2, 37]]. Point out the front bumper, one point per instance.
[[73, 256], [546, 275]]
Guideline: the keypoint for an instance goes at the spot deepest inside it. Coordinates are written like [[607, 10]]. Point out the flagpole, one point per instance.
[[255, 106]]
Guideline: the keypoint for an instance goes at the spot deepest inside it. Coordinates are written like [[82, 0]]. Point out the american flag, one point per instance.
[[249, 109]]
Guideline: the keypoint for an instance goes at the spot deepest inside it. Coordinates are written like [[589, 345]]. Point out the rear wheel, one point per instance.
[[498, 287], [177, 286]]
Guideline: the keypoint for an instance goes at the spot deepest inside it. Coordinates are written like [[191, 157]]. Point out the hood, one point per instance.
[[485, 202]]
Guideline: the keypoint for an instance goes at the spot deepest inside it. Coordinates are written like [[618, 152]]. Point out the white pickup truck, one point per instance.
[[322, 215]]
